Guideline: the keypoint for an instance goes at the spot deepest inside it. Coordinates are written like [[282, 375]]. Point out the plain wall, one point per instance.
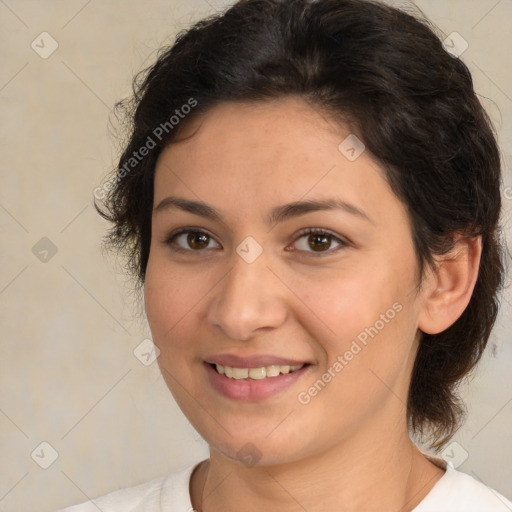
[[68, 374]]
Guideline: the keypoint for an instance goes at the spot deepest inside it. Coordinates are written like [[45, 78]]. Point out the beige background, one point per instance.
[[68, 374]]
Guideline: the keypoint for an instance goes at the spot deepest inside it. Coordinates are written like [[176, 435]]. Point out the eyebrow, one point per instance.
[[277, 214]]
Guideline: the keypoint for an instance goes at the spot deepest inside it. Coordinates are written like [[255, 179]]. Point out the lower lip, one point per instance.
[[249, 390]]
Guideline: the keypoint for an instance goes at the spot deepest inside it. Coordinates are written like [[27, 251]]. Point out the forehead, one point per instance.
[[270, 152]]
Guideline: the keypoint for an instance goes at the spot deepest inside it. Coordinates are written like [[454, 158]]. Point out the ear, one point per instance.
[[449, 286]]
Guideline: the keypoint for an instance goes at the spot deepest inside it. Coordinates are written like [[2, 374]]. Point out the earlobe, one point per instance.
[[450, 286]]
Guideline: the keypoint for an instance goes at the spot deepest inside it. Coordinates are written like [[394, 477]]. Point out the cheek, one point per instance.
[[169, 298], [351, 300], [366, 326]]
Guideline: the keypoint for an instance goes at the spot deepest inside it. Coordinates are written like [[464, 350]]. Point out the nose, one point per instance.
[[248, 299]]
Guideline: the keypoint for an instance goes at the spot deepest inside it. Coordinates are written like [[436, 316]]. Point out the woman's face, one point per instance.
[[245, 280]]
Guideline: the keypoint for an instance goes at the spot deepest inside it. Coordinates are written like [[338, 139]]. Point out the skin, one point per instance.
[[348, 448]]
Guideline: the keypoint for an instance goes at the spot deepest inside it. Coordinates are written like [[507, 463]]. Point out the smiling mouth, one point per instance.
[[259, 373]]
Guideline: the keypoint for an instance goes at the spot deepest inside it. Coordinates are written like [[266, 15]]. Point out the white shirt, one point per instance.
[[454, 492]]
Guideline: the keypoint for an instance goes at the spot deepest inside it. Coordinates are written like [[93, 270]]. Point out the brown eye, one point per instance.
[[197, 240], [190, 240], [319, 242]]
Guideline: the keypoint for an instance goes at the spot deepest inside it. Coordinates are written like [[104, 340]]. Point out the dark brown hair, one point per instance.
[[387, 75]]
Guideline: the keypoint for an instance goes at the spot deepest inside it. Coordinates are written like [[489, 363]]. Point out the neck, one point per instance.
[[369, 472]]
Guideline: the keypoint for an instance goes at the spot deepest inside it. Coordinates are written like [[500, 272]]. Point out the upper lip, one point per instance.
[[256, 361]]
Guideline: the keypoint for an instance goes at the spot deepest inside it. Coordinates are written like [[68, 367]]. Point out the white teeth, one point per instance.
[[273, 370], [256, 373], [240, 373]]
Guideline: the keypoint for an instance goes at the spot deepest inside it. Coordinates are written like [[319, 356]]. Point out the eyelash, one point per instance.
[[169, 241]]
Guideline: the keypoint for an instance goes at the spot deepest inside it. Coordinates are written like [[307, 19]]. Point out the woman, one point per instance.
[[310, 201]]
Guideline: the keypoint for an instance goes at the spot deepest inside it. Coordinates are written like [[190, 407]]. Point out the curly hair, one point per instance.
[[384, 73]]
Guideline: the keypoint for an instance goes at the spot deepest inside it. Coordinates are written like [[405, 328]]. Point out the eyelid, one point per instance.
[[169, 239], [343, 242]]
